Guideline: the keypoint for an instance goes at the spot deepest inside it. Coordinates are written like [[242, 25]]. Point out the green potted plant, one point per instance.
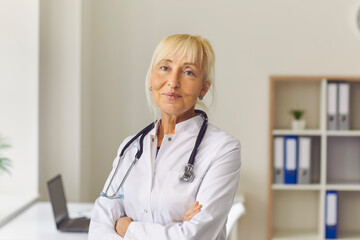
[[298, 123], [5, 163]]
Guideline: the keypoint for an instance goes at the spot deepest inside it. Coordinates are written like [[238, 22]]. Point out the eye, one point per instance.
[[164, 68], [189, 73]]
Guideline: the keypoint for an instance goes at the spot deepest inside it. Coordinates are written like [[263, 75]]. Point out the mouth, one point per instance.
[[171, 96]]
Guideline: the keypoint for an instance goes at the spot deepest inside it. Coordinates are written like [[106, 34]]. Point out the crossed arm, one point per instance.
[[123, 223], [217, 191]]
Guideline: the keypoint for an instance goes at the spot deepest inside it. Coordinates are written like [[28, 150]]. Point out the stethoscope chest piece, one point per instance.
[[187, 175]]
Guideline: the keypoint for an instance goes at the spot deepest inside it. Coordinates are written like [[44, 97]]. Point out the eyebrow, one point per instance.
[[186, 63], [190, 63], [165, 60]]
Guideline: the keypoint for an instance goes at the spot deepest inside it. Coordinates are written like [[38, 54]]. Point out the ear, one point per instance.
[[205, 88], [150, 83]]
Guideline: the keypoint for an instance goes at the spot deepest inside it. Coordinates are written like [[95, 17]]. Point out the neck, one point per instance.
[[168, 123]]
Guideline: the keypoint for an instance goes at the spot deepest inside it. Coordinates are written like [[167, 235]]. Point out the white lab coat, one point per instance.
[[155, 198]]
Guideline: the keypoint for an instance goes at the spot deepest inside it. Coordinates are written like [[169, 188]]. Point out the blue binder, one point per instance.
[[331, 207], [290, 159]]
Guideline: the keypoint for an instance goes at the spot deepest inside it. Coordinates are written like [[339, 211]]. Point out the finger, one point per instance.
[[196, 211], [188, 218], [193, 213], [196, 208], [190, 211]]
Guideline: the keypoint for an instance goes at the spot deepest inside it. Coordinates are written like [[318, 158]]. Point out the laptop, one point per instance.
[[58, 202]]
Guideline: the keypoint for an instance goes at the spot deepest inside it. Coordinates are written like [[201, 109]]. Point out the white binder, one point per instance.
[[331, 218], [290, 159], [343, 114], [332, 99], [331, 207], [304, 169], [279, 160]]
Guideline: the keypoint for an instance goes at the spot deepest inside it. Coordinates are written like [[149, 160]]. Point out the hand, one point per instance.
[[122, 225], [195, 209]]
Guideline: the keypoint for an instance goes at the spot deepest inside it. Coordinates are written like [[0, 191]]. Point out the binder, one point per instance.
[[291, 159], [304, 168], [279, 160], [332, 96], [331, 214], [343, 114]]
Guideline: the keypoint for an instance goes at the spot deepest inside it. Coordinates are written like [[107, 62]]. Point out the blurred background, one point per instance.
[[72, 78]]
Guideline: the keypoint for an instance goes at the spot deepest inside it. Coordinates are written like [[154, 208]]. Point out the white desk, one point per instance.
[[37, 223]]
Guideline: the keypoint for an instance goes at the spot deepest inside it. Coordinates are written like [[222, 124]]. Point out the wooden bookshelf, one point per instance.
[[297, 211]]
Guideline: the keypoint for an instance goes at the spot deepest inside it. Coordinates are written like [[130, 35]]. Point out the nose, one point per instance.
[[174, 80]]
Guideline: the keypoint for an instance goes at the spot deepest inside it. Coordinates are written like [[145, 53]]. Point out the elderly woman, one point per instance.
[[154, 202]]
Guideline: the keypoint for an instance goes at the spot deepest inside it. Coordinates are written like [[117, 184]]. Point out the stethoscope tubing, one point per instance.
[[199, 138], [188, 174], [143, 132]]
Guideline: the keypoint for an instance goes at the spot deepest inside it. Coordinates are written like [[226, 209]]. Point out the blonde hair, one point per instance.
[[194, 47]]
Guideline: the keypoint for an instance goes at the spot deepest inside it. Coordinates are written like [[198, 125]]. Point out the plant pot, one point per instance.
[[298, 124]]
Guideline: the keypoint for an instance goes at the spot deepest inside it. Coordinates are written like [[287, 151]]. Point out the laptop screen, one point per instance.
[[57, 198]]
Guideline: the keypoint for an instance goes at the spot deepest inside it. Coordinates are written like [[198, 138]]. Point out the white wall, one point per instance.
[[19, 96], [60, 89], [252, 40]]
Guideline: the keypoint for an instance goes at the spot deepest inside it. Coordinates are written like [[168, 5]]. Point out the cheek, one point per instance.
[[156, 85], [155, 95], [192, 90], [157, 81]]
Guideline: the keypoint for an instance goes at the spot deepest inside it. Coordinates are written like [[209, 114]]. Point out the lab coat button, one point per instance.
[[145, 210], [169, 139]]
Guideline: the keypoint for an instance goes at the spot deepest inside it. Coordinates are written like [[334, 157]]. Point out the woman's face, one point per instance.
[[176, 84]]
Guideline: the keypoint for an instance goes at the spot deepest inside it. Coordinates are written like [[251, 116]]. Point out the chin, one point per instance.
[[172, 112], [178, 111]]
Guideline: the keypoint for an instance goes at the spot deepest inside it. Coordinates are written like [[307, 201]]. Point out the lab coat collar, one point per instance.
[[191, 125]]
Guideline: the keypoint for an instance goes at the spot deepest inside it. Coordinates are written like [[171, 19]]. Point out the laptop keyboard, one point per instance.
[[77, 225]]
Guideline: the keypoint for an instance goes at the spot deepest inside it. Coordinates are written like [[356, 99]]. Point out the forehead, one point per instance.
[[176, 59], [180, 57]]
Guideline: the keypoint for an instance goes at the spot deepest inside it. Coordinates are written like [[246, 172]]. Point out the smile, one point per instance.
[[171, 96]]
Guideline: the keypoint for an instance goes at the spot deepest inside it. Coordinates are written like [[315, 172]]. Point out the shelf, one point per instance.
[[315, 132], [343, 187], [350, 133], [348, 214], [299, 234], [315, 187], [304, 187], [306, 132], [297, 211], [296, 94], [315, 162], [349, 236], [343, 161]]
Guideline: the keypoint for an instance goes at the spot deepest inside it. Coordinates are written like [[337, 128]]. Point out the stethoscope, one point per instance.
[[187, 174]]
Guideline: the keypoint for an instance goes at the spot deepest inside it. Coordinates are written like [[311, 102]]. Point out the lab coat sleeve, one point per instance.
[[216, 193], [106, 212]]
